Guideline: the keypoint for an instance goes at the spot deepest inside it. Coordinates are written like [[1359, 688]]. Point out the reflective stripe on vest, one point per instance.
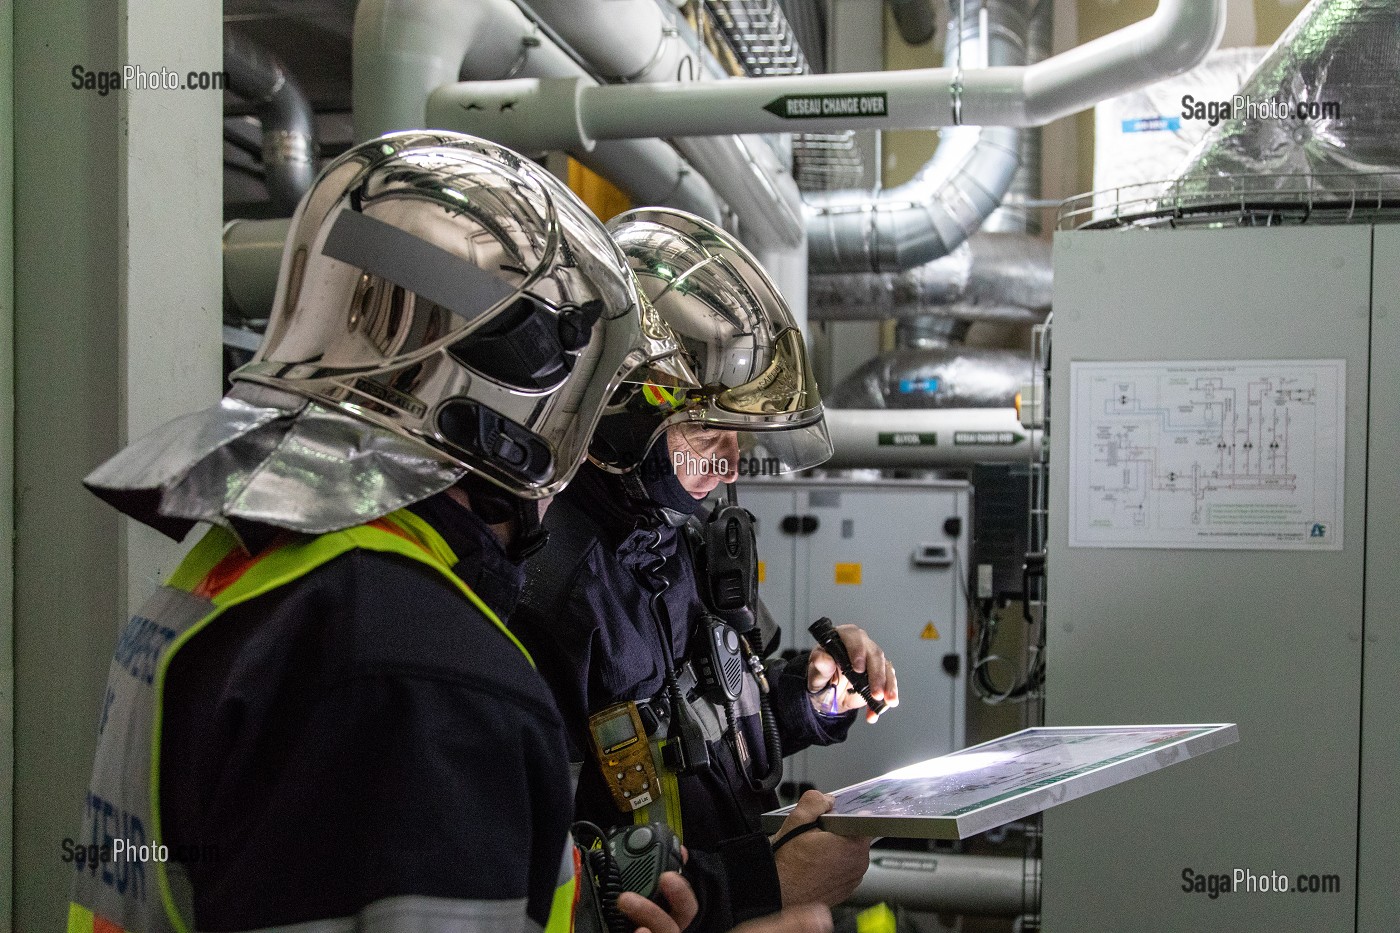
[[123, 804]]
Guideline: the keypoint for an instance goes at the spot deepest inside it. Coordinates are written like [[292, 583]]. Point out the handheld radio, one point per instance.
[[643, 854], [626, 858], [730, 574]]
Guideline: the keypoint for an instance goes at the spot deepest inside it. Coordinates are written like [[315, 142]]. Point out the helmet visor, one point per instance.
[[769, 453]]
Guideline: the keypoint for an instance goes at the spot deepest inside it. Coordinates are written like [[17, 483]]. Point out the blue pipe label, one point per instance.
[[927, 386], [1151, 124]]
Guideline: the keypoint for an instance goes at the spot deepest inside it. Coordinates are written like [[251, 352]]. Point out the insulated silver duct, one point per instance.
[[930, 215], [992, 276], [946, 377], [1329, 83], [288, 123]]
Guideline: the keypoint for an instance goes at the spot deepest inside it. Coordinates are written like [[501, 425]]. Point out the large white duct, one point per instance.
[[1176, 37], [404, 49], [947, 200]]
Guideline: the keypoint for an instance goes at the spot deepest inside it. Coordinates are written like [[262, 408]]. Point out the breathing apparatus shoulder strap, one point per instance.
[[552, 570]]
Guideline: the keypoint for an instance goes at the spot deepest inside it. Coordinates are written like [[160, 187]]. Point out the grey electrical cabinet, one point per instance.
[[1300, 648], [886, 555]]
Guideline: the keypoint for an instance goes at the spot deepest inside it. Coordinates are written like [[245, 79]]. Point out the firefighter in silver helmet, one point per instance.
[[621, 609], [321, 716]]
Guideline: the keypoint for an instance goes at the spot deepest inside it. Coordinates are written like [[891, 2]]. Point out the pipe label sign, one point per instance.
[[987, 438], [907, 439], [807, 106]]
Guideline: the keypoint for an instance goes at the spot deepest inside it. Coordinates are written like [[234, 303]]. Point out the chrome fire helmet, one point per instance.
[[445, 308], [739, 338]]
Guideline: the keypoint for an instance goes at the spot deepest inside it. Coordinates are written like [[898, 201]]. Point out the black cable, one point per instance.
[[685, 751], [792, 834], [986, 625], [607, 877]]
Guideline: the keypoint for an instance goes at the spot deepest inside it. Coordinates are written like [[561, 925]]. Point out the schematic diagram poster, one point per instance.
[[1244, 454]]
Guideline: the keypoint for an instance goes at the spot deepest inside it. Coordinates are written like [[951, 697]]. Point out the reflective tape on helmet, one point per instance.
[[662, 397]]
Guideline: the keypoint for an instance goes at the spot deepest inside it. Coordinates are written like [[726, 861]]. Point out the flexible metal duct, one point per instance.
[[1333, 73], [992, 276], [940, 207], [946, 377], [914, 19], [288, 122]]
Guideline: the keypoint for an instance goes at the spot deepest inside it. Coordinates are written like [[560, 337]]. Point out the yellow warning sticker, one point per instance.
[[929, 633], [762, 570], [848, 573]]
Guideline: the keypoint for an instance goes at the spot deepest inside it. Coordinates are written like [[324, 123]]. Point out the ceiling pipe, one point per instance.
[[404, 49], [914, 19], [949, 198], [951, 882], [288, 122], [872, 438], [636, 42], [252, 258], [1176, 37]]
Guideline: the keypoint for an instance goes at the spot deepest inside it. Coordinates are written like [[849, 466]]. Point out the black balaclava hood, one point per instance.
[[660, 486]]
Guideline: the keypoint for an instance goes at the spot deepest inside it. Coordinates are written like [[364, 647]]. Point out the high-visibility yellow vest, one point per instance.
[[148, 895]]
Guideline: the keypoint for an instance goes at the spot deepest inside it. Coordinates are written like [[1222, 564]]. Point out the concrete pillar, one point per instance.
[[116, 328]]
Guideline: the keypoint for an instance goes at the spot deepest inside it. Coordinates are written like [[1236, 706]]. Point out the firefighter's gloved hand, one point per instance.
[[831, 693], [817, 867], [647, 917]]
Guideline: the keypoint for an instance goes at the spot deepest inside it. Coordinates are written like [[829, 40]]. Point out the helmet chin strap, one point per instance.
[[495, 506]]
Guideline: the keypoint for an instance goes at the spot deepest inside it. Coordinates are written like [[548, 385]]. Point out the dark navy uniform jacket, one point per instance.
[[596, 644], [361, 733]]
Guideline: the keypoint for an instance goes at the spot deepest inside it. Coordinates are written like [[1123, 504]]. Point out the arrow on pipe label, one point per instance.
[[806, 106]]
